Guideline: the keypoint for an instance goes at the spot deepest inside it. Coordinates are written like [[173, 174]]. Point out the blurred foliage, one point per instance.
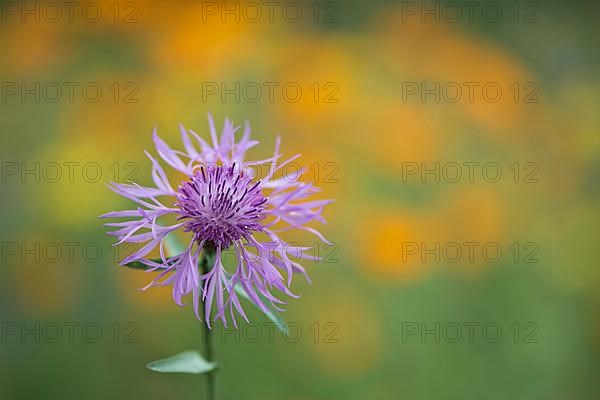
[[368, 136]]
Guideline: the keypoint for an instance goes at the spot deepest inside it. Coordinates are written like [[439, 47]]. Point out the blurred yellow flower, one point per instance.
[[197, 44], [444, 54], [401, 133], [323, 83], [155, 299], [39, 48], [388, 240]]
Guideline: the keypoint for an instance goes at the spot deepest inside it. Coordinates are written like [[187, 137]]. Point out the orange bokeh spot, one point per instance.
[[150, 300], [387, 241]]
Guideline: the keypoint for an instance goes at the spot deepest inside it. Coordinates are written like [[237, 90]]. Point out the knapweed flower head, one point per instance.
[[220, 205]]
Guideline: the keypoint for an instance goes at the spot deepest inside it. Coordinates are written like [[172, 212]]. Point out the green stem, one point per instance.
[[205, 263]]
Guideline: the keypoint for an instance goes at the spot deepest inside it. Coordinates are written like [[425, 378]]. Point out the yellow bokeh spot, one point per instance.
[[444, 55], [388, 241], [152, 299], [402, 133]]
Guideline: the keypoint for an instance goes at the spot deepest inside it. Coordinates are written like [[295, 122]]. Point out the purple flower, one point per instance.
[[221, 205]]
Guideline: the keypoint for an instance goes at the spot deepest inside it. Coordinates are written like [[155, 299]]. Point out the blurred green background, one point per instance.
[[153, 62]]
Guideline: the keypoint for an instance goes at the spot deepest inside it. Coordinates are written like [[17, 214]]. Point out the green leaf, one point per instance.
[[272, 313], [173, 247], [188, 362], [139, 265]]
